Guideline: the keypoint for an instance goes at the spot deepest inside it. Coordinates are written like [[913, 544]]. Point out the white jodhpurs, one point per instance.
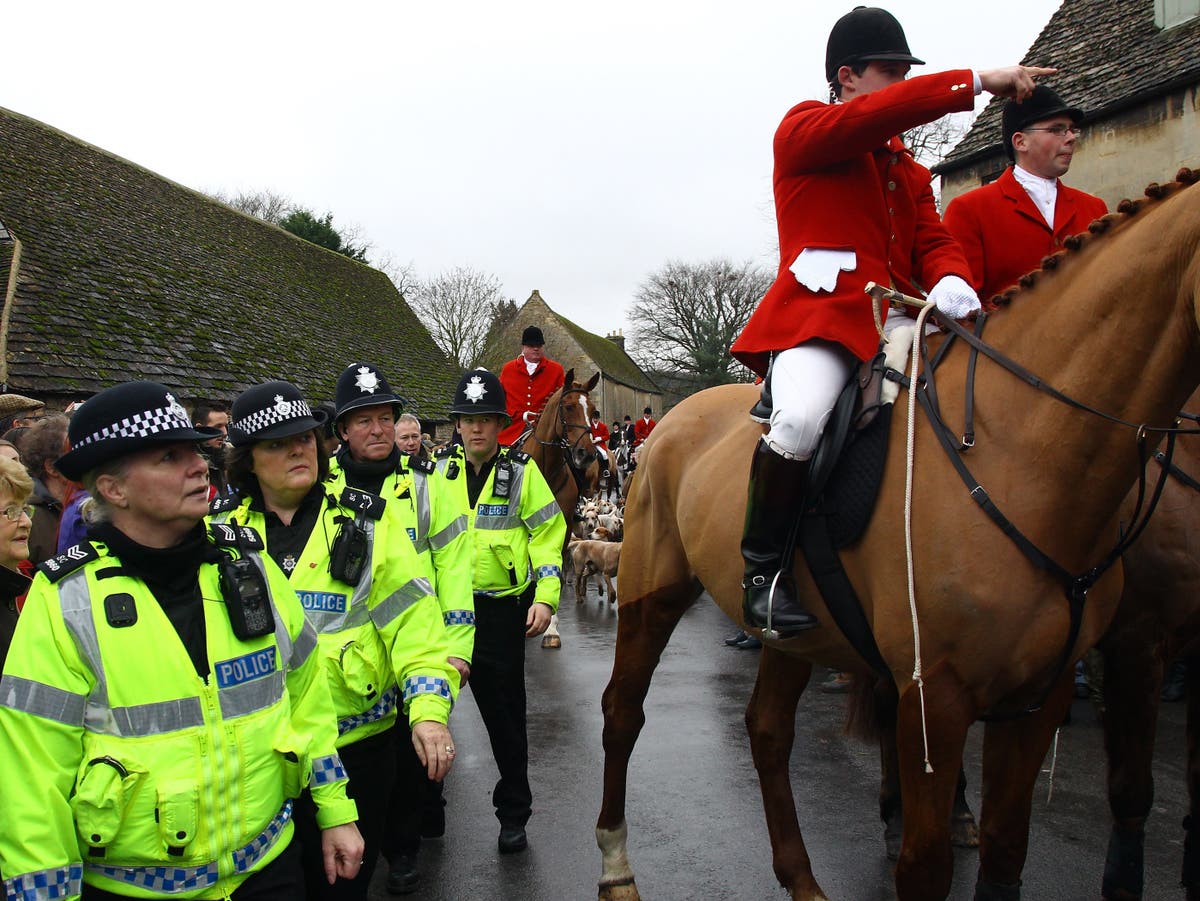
[[805, 384]]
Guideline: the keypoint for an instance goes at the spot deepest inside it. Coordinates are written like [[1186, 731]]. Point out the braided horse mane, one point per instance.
[[1126, 210]]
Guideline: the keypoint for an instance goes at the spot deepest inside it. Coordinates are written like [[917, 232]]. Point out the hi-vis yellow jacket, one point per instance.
[[381, 640], [122, 768], [438, 529], [515, 537]]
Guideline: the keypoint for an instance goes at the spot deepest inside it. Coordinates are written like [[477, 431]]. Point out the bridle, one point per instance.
[[569, 449]]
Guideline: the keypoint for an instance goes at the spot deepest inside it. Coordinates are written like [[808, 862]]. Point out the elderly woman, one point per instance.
[[163, 701], [365, 591], [15, 520]]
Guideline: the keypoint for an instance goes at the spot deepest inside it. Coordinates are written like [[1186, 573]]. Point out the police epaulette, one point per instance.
[[364, 502], [68, 561], [445, 452], [518, 456], [220, 504], [244, 538], [425, 466]]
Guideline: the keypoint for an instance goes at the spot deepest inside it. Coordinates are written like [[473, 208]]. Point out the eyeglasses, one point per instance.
[[1057, 130], [13, 512]]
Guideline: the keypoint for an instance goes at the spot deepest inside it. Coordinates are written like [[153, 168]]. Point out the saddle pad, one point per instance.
[[853, 487]]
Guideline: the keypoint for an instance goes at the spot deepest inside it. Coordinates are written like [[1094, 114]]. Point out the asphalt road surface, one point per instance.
[[696, 828]]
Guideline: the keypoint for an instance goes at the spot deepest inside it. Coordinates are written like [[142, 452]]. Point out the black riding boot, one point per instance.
[[777, 487]]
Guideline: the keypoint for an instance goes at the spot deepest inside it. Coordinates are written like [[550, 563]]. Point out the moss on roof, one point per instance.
[[1110, 56], [126, 275]]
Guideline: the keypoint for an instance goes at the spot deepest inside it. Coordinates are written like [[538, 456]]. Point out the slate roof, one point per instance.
[[1110, 55], [124, 275]]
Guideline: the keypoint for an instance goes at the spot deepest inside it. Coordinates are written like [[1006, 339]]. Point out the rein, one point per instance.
[[1075, 586], [560, 440]]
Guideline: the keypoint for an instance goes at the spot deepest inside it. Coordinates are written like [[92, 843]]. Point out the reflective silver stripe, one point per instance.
[[157, 718], [42, 700], [545, 514], [400, 600], [497, 523], [306, 643], [76, 604], [448, 534], [282, 638], [421, 489], [45, 885], [328, 769], [421, 544], [518, 483], [330, 622], [257, 694]]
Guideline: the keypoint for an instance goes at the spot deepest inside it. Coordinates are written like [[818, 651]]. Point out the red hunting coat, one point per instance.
[[600, 435], [642, 429], [1003, 235], [527, 393], [844, 181]]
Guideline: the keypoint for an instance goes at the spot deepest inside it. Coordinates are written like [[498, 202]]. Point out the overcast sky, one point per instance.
[[566, 147]]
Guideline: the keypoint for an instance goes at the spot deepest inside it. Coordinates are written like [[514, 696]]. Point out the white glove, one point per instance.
[[954, 297]]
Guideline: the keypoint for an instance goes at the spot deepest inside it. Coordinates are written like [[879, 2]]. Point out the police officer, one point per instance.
[[364, 590], [518, 534], [163, 701], [369, 460]]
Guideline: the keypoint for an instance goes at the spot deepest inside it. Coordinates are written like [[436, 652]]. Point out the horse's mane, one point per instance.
[[1126, 210]]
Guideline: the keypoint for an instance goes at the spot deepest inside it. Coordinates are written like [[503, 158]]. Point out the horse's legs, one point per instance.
[[771, 722], [643, 629], [1133, 673], [1013, 751], [1191, 841], [926, 863]]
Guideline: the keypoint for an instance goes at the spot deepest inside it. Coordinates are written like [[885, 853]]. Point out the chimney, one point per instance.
[[617, 338]]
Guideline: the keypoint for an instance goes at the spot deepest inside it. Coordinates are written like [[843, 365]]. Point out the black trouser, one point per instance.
[[413, 794], [280, 880], [498, 684], [371, 766]]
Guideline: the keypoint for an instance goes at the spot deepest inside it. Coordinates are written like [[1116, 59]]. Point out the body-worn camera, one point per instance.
[[348, 556], [502, 483], [244, 588]]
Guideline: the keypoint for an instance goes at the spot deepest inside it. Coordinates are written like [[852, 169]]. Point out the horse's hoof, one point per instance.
[[551, 641], [964, 831], [619, 891]]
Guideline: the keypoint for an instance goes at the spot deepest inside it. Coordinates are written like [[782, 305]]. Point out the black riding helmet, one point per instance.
[[479, 392], [863, 34]]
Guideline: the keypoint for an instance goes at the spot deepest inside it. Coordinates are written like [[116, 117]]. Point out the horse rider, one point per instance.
[[164, 700], [370, 461], [518, 533], [643, 427], [528, 382], [379, 628], [878, 223], [600, 436], [1006, 227]]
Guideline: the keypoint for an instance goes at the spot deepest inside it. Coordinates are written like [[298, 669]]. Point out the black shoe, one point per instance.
[[776, 494], [749, 643], [403, 877], [512, 840], [735, 640]]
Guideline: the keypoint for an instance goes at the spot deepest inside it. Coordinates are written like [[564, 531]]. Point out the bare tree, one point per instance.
[[685, 316], [457, 307], [403, 275], [932, 141], [265, 205]]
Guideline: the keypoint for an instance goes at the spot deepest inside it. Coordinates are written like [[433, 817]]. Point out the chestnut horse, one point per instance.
[[560, 442], [1116, 326]]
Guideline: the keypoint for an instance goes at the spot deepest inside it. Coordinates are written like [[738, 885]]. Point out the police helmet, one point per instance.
[[863, 34], [479, 392], [363, 385]]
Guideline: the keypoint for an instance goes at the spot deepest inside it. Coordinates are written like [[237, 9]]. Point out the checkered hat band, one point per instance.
[[272, 415], [139, 425]]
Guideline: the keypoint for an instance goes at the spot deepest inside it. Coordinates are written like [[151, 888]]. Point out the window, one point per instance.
[[1169, 13]]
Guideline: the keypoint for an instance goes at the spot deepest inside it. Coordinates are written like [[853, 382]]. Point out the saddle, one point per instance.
[[844, 478]]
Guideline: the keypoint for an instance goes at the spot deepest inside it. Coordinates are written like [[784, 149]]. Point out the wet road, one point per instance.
[[694, 812]]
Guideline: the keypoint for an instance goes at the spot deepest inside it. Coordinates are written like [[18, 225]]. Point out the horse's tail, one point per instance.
[[870, 707]]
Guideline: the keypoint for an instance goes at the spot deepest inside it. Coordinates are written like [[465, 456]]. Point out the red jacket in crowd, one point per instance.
[[1003, 234], [527, 393], [844, 181], [642, 429]]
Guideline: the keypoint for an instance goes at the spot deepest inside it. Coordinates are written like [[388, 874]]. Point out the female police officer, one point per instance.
[[163, 700], [364, 590]]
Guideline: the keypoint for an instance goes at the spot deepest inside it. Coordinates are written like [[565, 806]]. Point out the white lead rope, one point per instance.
[[914, 362]]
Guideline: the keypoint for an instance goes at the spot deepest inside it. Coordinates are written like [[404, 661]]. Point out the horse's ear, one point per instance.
[[593, 381], [569, 380]]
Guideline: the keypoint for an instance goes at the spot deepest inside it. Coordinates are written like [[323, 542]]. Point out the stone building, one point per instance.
[[1133, 67], [624, 389], [111, 272]]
